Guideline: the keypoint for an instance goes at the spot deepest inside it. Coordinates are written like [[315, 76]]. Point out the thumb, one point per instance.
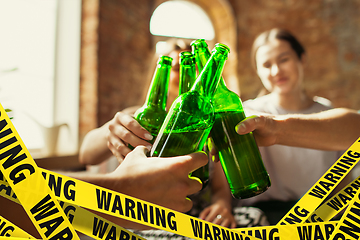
[[139, 151], [247, 125]]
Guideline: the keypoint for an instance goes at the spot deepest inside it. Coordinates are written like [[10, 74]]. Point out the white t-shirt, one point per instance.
[[292, 170]]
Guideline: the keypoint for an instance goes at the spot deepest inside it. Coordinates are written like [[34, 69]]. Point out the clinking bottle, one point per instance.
[[191, 116], [187, 77], [187, 71], [152, 114], [239, 154]]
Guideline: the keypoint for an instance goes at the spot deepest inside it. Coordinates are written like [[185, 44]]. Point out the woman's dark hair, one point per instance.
[[276, 33]]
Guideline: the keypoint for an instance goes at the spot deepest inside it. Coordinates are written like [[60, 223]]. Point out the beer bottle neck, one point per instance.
[[202, 54], [207, 82], [187, 72], [158, 90]]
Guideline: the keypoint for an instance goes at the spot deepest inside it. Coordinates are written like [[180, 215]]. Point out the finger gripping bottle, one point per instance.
[[239, 154], [191, 115], [152, 114]]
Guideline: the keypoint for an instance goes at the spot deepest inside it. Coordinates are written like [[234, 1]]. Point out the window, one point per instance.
[[181, 19], [39, 71]]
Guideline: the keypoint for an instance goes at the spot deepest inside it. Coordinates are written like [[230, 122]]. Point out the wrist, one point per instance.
[[226, 203], [278, 130], [116, 181]]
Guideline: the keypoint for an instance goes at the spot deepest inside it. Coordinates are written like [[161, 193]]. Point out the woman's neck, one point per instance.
[[292, 101]]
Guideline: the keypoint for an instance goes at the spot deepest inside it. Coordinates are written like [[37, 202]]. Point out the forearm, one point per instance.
[[220, 188], [94, 148], [334, 129]]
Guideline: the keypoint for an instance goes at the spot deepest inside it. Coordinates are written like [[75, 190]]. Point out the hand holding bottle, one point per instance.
[[263, 127], [163, 181], [125, 130]]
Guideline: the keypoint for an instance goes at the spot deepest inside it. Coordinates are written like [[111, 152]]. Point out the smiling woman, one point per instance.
[[279, 61]]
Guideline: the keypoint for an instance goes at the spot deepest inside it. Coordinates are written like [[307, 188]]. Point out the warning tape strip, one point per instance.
[[120, 205], [8, 229], [69, 189], [95, 226], [20, 169], [347, 228], [81, 219], [320, 230], [336, 203], [323, 187], [99, 228], [349, 225], [12, 238]]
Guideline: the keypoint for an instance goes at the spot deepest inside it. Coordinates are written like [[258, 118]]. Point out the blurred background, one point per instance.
[[67, 66]]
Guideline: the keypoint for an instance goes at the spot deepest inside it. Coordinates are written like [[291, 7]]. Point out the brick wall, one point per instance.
[[124, 47], [88, 67]]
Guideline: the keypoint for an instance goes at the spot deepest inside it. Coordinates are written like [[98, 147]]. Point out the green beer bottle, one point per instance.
[[191, 116], [239, 154], [187, 78], [187, 71], [152, 114]]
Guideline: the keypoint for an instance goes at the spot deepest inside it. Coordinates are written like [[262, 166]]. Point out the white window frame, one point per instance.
[[67, 75], [194, 24], [63, 87]]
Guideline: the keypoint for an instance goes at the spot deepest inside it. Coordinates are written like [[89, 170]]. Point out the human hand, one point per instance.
[[125, 130], [263, 128], [219, 214], [163, 181]]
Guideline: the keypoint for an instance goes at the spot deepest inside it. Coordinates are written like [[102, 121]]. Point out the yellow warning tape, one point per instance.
[[306, 231], [99, 228], [95, 226], [323, 187], [82, 220], [19, 168], [120, 205], [68, 189], [12, 238], [8, 229], [347, 228], [6, 190], [336, 203], [25, 180], [349, 225]]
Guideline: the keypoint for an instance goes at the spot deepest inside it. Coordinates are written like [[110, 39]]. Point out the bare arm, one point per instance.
[[334, 129], [94, 149], [112, 138]]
